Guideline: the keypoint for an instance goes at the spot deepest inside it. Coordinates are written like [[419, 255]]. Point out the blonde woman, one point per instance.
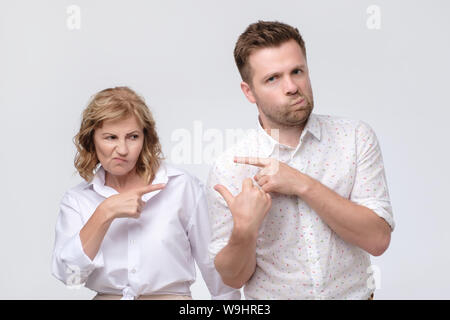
[[133, 228]]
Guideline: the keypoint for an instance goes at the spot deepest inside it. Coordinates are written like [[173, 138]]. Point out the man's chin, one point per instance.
[[298, 118]]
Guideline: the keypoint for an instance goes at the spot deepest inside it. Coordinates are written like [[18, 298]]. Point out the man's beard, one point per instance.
[[288, 115]]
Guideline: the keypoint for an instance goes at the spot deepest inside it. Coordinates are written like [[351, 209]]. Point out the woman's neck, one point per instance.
[[125, 182]]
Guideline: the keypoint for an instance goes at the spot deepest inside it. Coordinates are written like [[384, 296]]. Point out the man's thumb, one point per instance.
[[226, 195]]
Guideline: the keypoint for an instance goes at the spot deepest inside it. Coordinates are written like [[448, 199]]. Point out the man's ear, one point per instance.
[[245, 87]]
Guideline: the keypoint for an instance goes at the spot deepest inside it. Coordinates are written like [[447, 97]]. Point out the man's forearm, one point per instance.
[[354, 223], [236, 262]]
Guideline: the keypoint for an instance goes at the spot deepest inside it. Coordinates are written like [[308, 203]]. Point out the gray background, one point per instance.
[[178, 55]]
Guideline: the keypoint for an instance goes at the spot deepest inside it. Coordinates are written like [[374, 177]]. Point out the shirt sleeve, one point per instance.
[[220, 217], [70, 264], [199, 234], [370, 187]]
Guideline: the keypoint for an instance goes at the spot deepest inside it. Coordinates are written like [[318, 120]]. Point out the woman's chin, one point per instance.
[[117, 170]]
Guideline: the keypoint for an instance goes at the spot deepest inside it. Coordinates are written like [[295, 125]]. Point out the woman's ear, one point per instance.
[[247, 90]]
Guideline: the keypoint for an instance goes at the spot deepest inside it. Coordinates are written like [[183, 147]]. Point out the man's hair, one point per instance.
[[259, 35]]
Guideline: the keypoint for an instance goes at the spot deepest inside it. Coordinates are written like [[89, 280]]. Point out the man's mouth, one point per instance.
[[298, 102]]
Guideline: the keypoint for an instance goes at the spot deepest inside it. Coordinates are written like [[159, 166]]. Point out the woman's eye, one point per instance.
[[271, 79], [110, 138], [134, 136]]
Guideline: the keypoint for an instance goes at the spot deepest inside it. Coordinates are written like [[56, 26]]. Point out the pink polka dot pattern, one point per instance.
[[298, 256]]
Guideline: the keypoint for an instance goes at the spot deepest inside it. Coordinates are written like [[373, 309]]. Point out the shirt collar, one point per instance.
[[266, 143], [98, 182]]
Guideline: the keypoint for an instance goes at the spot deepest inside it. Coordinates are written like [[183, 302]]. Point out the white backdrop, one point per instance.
[[383, 62]]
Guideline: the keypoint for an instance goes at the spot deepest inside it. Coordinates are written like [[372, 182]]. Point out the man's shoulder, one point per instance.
[[332, 120], [240, 148], [337, 124], [225, 171]]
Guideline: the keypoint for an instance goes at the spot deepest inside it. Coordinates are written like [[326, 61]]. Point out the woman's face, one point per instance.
[[118, 144]]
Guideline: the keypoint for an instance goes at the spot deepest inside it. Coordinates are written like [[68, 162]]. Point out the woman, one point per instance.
[[133, 228]]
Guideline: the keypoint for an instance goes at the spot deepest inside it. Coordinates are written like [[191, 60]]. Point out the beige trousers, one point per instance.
[[155, 297], [143, 297]]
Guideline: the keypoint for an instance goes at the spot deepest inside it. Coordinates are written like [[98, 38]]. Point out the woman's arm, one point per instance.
[[123, 205], [94, 231], [70, 264]]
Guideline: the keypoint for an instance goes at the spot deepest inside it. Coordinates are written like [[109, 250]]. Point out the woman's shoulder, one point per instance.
[[76, 191], [182, 177]]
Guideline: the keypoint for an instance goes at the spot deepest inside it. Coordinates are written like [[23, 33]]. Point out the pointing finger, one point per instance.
[[225, 193], [150, 188], [254, 161], [247, 184], [269, 200], [261, 173]]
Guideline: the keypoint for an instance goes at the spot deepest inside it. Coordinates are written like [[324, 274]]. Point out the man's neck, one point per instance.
[[286, 135]]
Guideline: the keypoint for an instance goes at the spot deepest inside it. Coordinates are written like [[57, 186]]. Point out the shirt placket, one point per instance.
[[312, 250], [133, 253], [308, 232]]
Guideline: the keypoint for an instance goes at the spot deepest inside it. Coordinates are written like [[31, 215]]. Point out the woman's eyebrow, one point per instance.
[[134, 131], [113, 134]]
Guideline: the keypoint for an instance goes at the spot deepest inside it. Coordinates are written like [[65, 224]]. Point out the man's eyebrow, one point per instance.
[[270, 75], [301, 66]]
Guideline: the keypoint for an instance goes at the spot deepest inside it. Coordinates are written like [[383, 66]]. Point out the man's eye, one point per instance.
[[297, 71], [271, 79]]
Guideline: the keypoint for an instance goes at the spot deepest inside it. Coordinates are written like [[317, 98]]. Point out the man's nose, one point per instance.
[[290, 87]]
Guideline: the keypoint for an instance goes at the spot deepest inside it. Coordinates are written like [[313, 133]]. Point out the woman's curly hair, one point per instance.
[[116, 104]]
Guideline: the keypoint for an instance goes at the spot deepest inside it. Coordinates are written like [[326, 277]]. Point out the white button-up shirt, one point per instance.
[[153, 254], [298, 256]]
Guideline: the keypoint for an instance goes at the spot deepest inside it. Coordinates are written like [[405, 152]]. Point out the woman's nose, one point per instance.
[[122, 147]]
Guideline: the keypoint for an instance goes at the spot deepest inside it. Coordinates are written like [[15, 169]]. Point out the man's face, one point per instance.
[[280, 87]]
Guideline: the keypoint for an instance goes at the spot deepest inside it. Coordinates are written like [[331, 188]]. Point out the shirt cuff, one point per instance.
[[76, 260], [382, 209], [386, 216]]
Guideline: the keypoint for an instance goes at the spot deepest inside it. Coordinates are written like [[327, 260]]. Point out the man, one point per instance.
[[319, 203]]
